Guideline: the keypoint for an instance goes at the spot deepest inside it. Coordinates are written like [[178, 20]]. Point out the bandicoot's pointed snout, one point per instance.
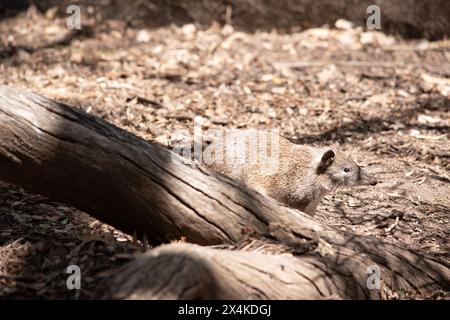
[[368, 179]]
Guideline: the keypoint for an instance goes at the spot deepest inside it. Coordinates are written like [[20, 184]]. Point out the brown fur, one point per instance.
[[296, 175]]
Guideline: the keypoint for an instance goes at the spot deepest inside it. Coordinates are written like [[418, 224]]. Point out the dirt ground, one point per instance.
[[385, 100]]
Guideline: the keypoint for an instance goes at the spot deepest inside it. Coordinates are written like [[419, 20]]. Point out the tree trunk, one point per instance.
[[76, 158]]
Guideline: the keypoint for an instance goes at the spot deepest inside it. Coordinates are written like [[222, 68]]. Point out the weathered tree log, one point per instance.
[[60, 151], [184, 271]]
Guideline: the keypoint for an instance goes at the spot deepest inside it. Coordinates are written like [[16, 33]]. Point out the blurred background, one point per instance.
[[409, 18]]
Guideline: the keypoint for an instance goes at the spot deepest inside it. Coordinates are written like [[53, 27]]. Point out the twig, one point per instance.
[[392, 226], [146, 101]]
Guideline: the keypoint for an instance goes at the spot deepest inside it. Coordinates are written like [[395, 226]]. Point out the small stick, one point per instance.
[[392, 226]]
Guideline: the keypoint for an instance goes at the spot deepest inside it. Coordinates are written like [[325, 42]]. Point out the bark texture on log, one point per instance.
[[186, 271], [76, 158]]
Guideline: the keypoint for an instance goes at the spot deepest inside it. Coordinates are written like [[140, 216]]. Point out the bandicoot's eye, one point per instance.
[[347, 169]]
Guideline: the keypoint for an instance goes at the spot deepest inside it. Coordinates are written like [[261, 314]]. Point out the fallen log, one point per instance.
[[186, 271], [76, 158]]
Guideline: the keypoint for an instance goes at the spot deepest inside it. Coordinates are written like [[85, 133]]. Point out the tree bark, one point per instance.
[[186, 271], [79, 159]]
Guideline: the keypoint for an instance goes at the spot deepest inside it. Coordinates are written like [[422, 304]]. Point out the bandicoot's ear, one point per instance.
[[326, 160]]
